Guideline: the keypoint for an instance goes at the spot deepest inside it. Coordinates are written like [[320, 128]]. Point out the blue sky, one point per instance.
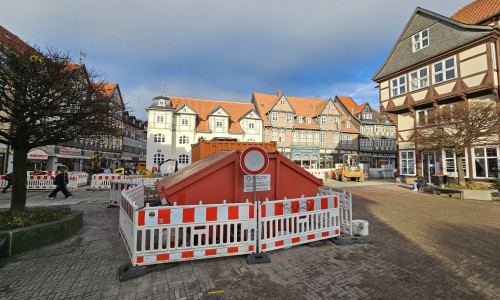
[[223, 49]]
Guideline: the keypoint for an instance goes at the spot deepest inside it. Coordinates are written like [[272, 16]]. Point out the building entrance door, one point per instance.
[[430, 165]]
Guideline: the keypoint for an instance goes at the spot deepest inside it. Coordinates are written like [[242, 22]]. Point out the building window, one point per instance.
[[158, 158], [183, 140], [309, 137], [323, 120], [485, 162], [323, 138], [316, 138], [282, 136], [376, 143], [335, 137], [444, 70], [251, 125], [308, 120], [361, 142], [330, 105], [159, 119], [421, 40], [299, 120], [295, 136], [218, 124], [407, 162], [274, 136], [347, 124], [274, 116], [494, 56], [282, 101], [159, 138], [336, 121], [302, 137], [422, 116], [450, 165], [184, 122], [398, 86], [289, 118], [184, 159], [419, 79]]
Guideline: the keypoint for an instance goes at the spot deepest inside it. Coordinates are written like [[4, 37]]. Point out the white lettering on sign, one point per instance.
[[68, 151], [263, 183]]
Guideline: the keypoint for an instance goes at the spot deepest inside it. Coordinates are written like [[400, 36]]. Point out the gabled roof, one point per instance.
[[445, 35], [477, 11], [343, 119], [204, 107], [212, 112], [107, 89], [305, 107], [349, 105], [178, 109], [12, 41], [360, 108]]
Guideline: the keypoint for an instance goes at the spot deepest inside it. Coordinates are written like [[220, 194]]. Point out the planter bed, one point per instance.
[[27, 238]]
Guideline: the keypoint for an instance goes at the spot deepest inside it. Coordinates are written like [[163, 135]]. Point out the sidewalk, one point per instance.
[[424, 247]]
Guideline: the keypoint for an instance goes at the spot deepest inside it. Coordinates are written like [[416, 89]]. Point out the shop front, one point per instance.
[[307, 157], [37, 160]]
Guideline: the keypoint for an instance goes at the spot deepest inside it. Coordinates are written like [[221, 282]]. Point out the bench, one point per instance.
[[438, 190]]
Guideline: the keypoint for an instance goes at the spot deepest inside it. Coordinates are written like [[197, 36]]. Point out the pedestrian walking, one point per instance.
[[61, 180], [10, 179]]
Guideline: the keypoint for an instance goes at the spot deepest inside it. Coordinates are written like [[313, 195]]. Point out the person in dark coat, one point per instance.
[[61, 180], [10, 180]]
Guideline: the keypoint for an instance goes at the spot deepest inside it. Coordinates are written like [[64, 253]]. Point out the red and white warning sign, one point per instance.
[[254, 160]]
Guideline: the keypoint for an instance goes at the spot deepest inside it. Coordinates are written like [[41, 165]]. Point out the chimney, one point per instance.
[[279, 93]]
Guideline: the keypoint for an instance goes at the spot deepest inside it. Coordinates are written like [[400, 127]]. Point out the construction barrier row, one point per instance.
[[118, 186], [163, 234], [46, 182], [103, 181]]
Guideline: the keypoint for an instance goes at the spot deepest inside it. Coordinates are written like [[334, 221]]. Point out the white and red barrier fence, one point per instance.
[[46, 182], [118, 186], [163, 234], [319, 173]]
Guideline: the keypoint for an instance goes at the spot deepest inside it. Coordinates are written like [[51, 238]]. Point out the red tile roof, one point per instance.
[[344, 118], [350, 105], [106, 88], [203, 107], [302, 106], [12, 41], [477, 11]]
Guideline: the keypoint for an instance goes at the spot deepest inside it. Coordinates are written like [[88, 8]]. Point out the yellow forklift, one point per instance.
[[349, 169]]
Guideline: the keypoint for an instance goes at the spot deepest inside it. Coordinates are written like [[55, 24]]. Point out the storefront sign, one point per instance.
[[37, 154], [70, 151]]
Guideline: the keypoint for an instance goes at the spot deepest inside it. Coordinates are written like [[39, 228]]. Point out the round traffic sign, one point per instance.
[[254, 160]]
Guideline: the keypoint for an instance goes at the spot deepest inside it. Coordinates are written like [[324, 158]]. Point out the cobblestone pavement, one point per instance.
[[423, 247]]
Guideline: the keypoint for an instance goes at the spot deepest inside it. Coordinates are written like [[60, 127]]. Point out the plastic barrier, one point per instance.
[[292, 222], [176, 233], [118, 186], [102, 181], [46, 182], [164, 234], [345, 207], [79, 177], [319, 173]]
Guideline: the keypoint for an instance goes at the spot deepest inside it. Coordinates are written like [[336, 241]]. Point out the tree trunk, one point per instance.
[[460, 169], [18, 201]]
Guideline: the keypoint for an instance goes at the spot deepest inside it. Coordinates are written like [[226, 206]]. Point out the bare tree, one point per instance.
[[45, 99], [458, 127]]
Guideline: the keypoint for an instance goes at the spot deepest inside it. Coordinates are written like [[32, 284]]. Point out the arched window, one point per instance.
[[158, 158], [184, 140], [183, 159], [159, 138]]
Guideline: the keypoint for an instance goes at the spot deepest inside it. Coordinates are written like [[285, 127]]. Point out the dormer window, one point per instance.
[[299, 120], [308, 120], [421, 40], [185, 110], [162, 103], [347, 124]]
